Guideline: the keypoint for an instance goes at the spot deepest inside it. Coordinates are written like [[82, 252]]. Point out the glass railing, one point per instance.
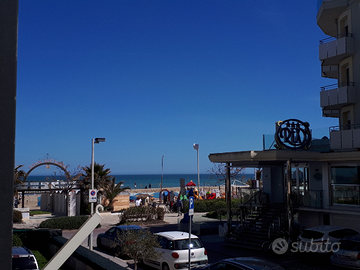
[[316, 133], [313, 199], [346, 194], [309, 198]]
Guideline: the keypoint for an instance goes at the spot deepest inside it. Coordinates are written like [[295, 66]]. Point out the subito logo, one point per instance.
[[279, 246]]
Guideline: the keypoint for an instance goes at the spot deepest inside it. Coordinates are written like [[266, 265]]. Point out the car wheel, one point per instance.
[[165, 266], [117, 251]]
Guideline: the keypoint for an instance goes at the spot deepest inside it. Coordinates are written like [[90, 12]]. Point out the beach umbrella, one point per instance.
[[191, 184], [142, 196]]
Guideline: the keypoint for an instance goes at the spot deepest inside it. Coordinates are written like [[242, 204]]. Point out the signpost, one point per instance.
[[182, 186], [92, 196], [191, 213]]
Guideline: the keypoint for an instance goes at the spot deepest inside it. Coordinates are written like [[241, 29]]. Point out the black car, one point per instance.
[[110, 239], [243, 263], [23, 258]]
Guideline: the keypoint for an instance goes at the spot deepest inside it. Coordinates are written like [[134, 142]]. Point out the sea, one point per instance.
[[145, 180]]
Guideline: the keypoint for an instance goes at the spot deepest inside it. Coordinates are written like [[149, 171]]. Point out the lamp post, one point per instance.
[[196, 147], [96, 140]]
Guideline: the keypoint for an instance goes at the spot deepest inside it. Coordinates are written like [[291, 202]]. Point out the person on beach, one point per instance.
[[179, 205], [149, 185], [138, 202], [135, 184]]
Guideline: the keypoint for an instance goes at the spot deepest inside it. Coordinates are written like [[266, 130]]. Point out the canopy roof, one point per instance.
[[280, 157]]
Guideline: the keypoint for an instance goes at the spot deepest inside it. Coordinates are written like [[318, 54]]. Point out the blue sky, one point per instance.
[[154, 77]]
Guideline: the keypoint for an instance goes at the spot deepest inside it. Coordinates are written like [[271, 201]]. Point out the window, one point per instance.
[[345, 175]]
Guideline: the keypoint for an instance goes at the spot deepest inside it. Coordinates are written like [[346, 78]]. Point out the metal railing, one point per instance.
[[329, 39], [336, 85], [344, 127]]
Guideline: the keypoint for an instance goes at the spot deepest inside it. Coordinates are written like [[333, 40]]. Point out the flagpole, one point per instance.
[[162, 175]]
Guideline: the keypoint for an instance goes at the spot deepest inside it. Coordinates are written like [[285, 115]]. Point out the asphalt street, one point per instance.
[[216, 247]]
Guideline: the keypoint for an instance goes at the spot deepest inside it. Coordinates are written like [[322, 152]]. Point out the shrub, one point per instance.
[[16, 241], [142, 213], [17, 216], [64, 223]]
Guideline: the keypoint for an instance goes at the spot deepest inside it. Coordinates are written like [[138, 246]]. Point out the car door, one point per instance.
[[109, 239], [166, 249], [156, 262]]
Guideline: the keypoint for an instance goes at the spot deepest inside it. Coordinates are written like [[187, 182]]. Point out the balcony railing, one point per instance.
[[335, 96], [329, 39], [346, 194], [333, 49], [310, 198], [345, 137]]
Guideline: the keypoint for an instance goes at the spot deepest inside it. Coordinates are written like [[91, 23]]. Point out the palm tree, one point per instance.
[[18, 178], [111, 191], [102, 176]]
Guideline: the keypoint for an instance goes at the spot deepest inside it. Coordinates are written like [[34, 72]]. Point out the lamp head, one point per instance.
[[98, 140], [196, 146]]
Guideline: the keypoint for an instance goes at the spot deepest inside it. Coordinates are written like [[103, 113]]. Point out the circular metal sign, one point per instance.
[[292, 134]]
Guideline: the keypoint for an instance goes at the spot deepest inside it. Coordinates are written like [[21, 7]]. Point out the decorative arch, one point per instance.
[[57, 164]]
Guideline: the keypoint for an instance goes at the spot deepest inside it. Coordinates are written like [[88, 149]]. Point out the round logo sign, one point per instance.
[[292, 134], [92, 192]]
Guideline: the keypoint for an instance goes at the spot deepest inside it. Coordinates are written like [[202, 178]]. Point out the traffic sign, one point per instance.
[[92, 195], [191, 206]]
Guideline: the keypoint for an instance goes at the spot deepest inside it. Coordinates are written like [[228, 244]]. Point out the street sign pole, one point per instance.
[[191, 213]]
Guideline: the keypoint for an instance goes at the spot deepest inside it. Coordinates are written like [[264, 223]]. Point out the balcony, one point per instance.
[[333, 50], [346, 194], [331, 71], [345, 137], [328, 12], [334, 97]]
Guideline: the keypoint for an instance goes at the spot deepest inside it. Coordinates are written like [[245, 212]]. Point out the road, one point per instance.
[[217, 250]]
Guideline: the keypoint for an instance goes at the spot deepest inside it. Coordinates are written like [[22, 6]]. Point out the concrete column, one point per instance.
[[8, 66]]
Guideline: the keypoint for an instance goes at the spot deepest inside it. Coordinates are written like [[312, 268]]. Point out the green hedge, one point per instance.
[[17, 216], [16, 241], [64, 223], [142, 213], [211, 205]]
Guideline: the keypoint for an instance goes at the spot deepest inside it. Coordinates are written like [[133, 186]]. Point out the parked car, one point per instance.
[[321, 239], [243, 263], [109, 240], [174, 251], [23, 258], [348, 254]]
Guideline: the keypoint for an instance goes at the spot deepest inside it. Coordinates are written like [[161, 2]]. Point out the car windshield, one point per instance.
[[350, 245], [23, 263], [342, 233], [309, 234], [184, 243]]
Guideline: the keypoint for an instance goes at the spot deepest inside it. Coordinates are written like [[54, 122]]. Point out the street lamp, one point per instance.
[[96, 140], [196, 147]]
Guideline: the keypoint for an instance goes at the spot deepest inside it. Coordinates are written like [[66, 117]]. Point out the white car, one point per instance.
[[322, 239], [174, 251], [349, 253]]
